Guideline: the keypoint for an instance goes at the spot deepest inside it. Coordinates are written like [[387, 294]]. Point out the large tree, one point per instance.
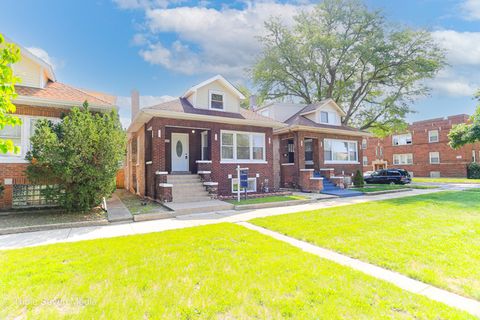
[[80, 155], [9, 54], [466, 133], [344, 51]]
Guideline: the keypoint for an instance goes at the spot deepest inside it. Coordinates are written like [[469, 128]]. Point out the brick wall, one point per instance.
[[453, 163], [16, 171]]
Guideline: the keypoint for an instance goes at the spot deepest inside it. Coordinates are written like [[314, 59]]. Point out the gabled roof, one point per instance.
[[62, 94], [219, 78], [181, 108], [25, 52], [310, 108]]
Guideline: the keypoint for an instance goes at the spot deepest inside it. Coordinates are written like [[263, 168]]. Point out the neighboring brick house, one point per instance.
[[39, 96], [314, 142], [423, 150], [203, 135]]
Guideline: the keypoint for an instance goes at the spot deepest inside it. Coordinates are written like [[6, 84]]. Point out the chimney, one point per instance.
[[135, 103], [253, 102]]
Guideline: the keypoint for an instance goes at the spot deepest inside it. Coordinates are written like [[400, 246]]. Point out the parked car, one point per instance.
[[389, 176], [367, 174]]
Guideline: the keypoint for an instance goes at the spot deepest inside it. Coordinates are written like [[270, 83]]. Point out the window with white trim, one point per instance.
[[340, 151], [252, 185], [434, 157], [403, 159], [323, 117], [365, 160], [217, 100], [15, 135], [20, 136], [474, 156], [242, 146], [364, 144], [402, 139], [432, 136]]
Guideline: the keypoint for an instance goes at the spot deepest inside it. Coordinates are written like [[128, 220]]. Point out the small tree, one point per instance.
[[81, 154], [466, 133], [358, 179], [9, 55]]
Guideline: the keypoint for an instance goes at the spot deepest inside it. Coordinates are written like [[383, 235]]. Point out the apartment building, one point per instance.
[[423, 150]]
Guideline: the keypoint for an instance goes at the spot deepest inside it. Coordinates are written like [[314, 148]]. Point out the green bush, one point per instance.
[[80, 155], [473, 171], [358, 179]]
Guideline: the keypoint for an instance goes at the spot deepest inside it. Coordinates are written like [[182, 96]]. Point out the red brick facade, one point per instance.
[[453, 163], [161, 130], [12, 170]]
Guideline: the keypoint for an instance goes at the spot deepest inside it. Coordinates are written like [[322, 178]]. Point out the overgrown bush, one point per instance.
[[473, 171], [80, 154], [358, 179]]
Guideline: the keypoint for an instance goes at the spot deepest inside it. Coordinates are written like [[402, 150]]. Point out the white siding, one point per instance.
[[200, 99]]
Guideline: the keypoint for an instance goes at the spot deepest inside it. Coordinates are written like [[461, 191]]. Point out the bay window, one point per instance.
[[340, 151], [242, 146]]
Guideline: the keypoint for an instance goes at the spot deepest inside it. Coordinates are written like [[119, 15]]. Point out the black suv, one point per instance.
[[389, 176]]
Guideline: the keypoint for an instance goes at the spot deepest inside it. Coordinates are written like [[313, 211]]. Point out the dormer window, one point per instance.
[[323, 116], [216, 100]]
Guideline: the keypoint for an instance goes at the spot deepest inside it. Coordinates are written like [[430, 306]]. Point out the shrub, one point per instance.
[[80, 155], [358, 179], [473, 171]]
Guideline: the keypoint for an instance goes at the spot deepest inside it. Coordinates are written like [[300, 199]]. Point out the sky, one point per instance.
[[163, 47]]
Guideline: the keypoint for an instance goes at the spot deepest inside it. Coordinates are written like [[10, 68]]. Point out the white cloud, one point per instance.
[[42, 54], [210, 40], [471, 9], [453, 82], [462, 47], [124, 106]]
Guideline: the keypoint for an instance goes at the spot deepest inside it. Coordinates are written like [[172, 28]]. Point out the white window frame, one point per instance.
[[430, 157], [400, 137], [251, 135], [474, 156], [320, 117], [430, 136], [364, 144], [235, 181], [210, 92], [402, 159], [348, 151], [365, 160], [25, 140], [203, 142]]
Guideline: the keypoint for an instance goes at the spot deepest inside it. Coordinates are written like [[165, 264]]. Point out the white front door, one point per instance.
[[179, 152]]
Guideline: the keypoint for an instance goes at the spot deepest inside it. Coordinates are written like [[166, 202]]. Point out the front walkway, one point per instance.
[[20, 240], [454, 300]]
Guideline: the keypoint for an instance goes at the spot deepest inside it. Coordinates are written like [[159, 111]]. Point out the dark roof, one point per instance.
[[183, 105], [298, 120]]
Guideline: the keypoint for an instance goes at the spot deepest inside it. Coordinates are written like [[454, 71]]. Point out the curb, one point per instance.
[[152, 216], [375, 193], [272, 204], [54, 226]]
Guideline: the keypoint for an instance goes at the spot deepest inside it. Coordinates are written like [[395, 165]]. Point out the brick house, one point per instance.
[[40, 96], [423, 150], [313, 144], [188, 149]]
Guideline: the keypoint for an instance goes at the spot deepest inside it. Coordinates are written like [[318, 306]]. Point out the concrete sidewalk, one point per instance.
[[20, 240]]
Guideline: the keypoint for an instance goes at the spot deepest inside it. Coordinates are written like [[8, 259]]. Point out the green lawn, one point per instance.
[[446, 180], [434, 238], [385, 187], [267, 199], [218, 271]]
